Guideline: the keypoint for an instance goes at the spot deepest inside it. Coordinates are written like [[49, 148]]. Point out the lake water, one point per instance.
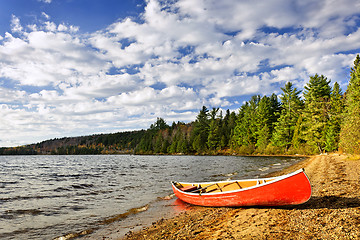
[[45, 197]]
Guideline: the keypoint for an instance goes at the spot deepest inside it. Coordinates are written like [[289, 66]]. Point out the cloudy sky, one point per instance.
[[80, 67]]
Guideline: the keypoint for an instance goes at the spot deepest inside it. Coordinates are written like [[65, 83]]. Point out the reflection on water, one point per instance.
[[179, 206], [43, 197]]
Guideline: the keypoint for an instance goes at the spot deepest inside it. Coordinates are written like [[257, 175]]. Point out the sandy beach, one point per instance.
[[333, 211]]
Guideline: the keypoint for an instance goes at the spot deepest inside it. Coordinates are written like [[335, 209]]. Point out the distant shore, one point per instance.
[[333, 212]]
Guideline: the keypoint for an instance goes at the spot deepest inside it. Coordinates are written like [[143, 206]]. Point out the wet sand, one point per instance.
[[333, 211]]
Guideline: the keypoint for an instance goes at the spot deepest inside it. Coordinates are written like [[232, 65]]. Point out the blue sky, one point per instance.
[[81, 67], [91, 15]]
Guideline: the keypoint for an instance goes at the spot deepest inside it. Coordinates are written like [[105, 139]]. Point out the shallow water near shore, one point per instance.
[[45, 197]]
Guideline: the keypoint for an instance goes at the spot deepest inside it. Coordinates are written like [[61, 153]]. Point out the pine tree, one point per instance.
[[240, 134], [251, 119], [317, 98], [275, 111], [228, 125], [201, 131], [297, 141], [182, 145], [172, 148], [263, 138], [350, 129], [165, 145], [263, 121], [255, 123], [214, 137], [245, 128], [335, 117], [160, 124], [291, 106], [158, 143]]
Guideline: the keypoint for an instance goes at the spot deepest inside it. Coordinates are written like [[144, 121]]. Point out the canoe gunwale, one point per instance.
[[264, 184]]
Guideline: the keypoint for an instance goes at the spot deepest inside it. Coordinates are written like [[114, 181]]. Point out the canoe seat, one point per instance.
[[188, 188]]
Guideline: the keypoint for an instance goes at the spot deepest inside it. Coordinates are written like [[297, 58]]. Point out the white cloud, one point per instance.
[[175, 58], [45, 1], [45, 15], [9, 96], [41, 58], [15, 24]]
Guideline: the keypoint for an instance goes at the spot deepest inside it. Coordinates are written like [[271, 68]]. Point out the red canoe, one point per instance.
[[290, 189]]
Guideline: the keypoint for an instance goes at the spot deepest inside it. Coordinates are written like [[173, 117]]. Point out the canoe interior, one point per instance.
[[220, 186]]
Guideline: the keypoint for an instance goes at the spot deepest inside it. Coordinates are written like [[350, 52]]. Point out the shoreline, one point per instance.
[[332, 212], [164, 207]]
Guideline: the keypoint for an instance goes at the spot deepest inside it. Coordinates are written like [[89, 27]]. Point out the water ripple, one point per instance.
[[43, 196]]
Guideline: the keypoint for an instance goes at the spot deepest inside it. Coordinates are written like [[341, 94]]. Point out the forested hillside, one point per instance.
[[324, 119]]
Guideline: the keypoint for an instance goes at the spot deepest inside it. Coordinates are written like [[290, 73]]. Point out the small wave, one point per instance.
[[129, 187], [20, 198], [75, 235], [185, 168], [168, 197], [106, 221], [73, 186], [5, 184], [63, 177], [62, 189], [77, 208], [44, 166], [231, 174], [9, 182], [120, 197], [82, 186], [264, 169], [11, 214], [126, 214]]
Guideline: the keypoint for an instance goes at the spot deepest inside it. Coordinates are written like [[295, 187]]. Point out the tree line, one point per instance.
[[319, 119]]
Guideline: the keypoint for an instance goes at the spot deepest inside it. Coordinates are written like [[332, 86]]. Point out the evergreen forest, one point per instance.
[[321, 118]]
